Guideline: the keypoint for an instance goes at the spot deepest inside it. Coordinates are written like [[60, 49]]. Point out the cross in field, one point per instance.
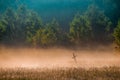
[[74, 57]]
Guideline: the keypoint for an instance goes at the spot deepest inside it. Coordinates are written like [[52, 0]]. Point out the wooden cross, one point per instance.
[[74, 57]]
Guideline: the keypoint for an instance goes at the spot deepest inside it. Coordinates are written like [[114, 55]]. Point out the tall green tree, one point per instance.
[[28, 22], [20, 26], [99, 23], [48, 35], [80, 29], [33, 24], [2, 31], [8, 24], [117, 34]]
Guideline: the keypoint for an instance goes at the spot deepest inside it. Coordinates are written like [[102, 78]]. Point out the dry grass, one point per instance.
[[111, 73]]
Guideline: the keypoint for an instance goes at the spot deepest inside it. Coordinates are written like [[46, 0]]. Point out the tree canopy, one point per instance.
[[93, 22], [117, 34]]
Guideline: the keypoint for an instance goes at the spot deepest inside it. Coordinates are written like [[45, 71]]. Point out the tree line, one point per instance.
[[25, 26]]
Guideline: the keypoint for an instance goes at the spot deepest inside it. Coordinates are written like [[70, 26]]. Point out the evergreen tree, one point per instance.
[[20, 26], [99, 23], [117, 34], [2, 31], [8, 24], [33, 24], [80, 29], [48, 35]]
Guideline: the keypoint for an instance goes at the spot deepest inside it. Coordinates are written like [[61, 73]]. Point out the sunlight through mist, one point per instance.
[[49, 58]]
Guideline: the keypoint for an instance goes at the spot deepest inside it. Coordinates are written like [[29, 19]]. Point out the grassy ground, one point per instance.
[[111, 73]]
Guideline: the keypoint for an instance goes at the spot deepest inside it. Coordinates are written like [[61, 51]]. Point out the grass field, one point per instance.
[[106, 73]]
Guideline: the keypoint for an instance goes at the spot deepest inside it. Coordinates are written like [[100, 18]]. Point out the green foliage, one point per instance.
[[25, 26], [99, 22], [2, 31], [20, 26], [8, 23], [117, 34], [29, 22], [48, 35], [32, 25], [80, 29], [93, 26]]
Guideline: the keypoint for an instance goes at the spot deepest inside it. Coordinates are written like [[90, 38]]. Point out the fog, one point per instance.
[[57, 57], [36, 23]]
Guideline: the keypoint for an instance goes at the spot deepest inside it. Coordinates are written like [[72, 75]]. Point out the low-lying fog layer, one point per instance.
[[50, 58]]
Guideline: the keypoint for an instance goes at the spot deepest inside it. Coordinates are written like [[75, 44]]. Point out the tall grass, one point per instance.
[[106, 73]]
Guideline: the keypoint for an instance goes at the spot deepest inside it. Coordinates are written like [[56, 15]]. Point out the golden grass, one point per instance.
[[106, 73]]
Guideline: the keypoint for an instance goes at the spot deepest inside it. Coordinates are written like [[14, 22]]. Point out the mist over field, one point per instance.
[[42, 25], [59, 39], [57, 57]]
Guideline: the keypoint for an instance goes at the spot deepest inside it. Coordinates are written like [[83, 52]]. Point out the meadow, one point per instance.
[[59, 39], [105, 73]]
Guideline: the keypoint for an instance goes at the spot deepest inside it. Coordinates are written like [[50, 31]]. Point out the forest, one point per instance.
[[59, 39], [43, 23]]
